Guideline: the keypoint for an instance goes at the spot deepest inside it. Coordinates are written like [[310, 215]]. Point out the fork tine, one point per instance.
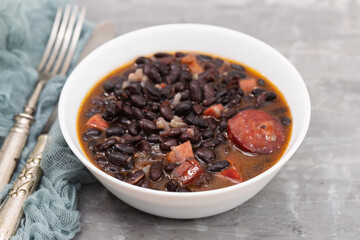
[[66, 41], [59, 39], [51, 40], [74, 41]]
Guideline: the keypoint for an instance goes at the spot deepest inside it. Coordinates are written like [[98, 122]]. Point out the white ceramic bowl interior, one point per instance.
[[185, 37]]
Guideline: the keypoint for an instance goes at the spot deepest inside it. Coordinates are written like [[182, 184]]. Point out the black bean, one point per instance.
[[161, 55], [129, 164], [186, 135], [207, 76], [207, 102], [196, 136], [257, 91], [235, 101], [171, 133], [191, 119], [209, 91], [136, 177], [212, 124], [237, 67], [89, 114], [286, 121], [85, 137], [261, 82], [184, 190], [145, 183], [217, 166], [127, 110], [169, 167], [133, 128], [237, 75], [118, 158], [162, 68], [112, 169], [151, 115], [179, 86], [124, 148], [97, 101], [144, 146], [91, 145], [172, 186], [195, 91], [175, 71], [127, 138], [166, 112], [198, 109], [240, 92], [206, 155], [137, 113], [168, 144], [147, 125], [152, 73], [207, 133], [142, 60], [182, 108], [134, 88], [221, 93], [270, 96], [223, 125], [115, 130], [221, 137], [166, 92], [185, 77], [156, 171], [138, 100], [120, 176], [106, 144], [212, 143], [153, 138], [154, 107], [185, 95], [228, 112], [151, 90], [225, 100], [179, 54], [204, 58]]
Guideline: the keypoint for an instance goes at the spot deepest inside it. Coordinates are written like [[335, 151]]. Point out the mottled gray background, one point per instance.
[[317, 194]]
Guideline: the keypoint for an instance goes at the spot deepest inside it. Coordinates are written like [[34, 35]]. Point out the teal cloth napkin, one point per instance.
[[50, 213]]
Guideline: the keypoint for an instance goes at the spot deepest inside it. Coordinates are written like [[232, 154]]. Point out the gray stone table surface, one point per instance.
[[317, 194]]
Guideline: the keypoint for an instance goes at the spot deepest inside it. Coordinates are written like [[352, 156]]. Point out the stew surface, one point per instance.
[[184, 122]]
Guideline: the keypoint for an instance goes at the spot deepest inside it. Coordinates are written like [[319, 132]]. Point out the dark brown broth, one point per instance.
[[249, 165]]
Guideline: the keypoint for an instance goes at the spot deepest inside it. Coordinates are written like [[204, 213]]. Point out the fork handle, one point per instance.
[[11, 210], [13, 145]]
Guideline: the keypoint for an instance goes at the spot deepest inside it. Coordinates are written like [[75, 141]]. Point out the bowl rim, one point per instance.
[[268, 173]]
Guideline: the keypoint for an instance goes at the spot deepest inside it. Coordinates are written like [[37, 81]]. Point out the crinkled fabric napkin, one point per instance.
[[50, 213]]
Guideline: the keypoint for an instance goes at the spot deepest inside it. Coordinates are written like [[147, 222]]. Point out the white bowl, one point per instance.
[[185, 37]]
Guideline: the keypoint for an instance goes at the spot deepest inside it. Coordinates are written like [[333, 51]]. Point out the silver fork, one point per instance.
[[56, 60]]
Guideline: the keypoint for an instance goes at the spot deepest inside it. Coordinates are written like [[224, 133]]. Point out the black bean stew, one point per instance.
[[184, 122]]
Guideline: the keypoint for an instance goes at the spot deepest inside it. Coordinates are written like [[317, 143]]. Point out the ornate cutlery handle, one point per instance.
[[13, 145], [11, 210]]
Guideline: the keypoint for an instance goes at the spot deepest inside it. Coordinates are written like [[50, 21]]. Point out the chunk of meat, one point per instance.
[[181, 152], [232, 173], [187, 172], [96, 121], [256, 131], [247, 84], [192, 63], [214, 110]]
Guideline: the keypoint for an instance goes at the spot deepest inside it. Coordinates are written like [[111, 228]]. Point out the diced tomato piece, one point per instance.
[[162, 85], [96, 121], [256, 131], [247, 84], [214, 110], [187, 172], [192, 63], [181, 153], [232, 173]]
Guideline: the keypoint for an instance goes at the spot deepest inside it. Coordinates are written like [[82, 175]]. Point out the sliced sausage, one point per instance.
[[256, 131]]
